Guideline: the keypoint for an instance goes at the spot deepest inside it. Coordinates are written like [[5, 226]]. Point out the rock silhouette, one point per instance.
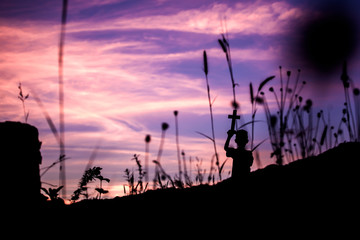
[[20, 158]]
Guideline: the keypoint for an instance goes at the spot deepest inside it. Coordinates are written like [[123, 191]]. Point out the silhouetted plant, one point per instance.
[[294, 121], [356, 95], [129, 177], [199, 171], [139, 188], [147, 143], [89, 176], [62, 171], [45, 169], [53, 193], [162, 176], [22, 99], [253, 105], [350, 121], [278, 124], [225, 46], [100, 190], [206, 71], [211, 176], [188, 181], [157, 178], [179, 181], [60, 136]]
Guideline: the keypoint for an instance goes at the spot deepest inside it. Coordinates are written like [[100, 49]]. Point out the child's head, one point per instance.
[[241, 138]]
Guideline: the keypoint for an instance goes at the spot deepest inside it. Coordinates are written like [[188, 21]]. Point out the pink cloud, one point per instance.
[[259, 17], [118, 92]]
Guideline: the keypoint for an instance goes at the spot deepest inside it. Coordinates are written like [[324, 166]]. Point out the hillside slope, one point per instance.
[[330, 178]]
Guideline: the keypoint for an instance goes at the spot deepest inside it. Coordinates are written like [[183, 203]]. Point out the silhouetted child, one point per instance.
[[242, 159]]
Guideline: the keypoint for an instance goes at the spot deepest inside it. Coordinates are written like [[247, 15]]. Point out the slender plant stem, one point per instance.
[[62, 175], [147, 161], [206, 71], [212, 126], [177, 144], [157, 172]]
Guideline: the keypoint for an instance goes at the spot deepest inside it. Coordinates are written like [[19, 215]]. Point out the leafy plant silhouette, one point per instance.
[[100, 190], [53, 193], [89, 176]]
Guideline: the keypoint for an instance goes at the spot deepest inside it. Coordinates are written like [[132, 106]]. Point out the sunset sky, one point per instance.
[[129, 64]]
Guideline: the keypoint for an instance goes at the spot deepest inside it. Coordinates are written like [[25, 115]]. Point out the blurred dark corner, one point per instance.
[[321, 41]]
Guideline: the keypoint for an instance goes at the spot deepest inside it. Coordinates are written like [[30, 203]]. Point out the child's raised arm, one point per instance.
[[230, 134]]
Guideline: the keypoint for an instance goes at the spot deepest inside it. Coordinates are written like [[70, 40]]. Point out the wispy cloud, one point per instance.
[[125, 74], [259, 17]]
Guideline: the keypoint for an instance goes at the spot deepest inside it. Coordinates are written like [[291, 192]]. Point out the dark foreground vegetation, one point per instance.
[[329, 179]]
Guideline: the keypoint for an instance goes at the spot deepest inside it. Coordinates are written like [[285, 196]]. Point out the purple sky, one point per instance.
[[129, 64]]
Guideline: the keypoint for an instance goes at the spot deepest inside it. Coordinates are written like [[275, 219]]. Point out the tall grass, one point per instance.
[[59, 135], [177, 145], [254, 99], [187, 176], [22, 98], [62, 170], [295, 131], [147, 144], [206, 71], [356, 95], [159, 173], [279, 123], [352, 126], [225, 46], [55, 132]]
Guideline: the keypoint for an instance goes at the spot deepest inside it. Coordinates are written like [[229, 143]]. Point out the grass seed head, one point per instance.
[[206, 68], [222, 45], [164, 126], [356, 91], [235, 104]]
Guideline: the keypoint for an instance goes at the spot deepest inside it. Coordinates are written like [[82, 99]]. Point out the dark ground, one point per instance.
[[328, 182], [316, 197]]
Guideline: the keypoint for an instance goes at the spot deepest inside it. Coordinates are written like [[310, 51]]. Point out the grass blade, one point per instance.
[[247, 123], [256, 146], [62, 175], [262, 84], [323, 135], [222, 165], [222, 45], [47, 117], [205, 136]]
